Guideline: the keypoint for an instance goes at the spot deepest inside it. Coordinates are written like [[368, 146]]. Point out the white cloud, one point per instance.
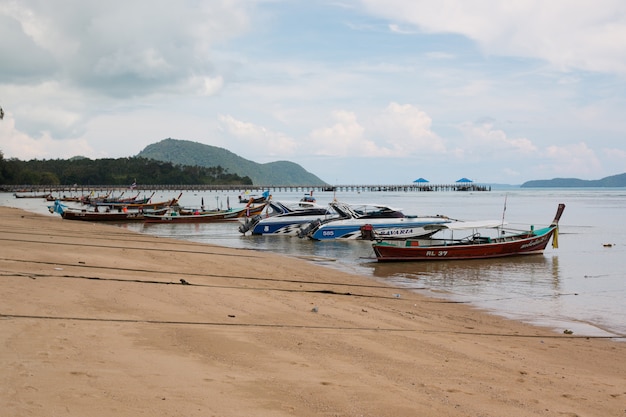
[[204, 86], [614, 153], [568, 34], [256, 141], [485, 141], [47, 106], [126, 48], [43, 146], [344, 138], [407, 131], [397, 131], [575, 158]]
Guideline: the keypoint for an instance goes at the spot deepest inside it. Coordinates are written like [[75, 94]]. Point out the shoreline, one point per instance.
[[98, 320]]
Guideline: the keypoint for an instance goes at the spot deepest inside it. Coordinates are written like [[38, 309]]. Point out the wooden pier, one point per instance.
[[85, 189]]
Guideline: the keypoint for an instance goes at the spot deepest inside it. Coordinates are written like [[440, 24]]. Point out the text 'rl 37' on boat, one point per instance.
[[473, 245], [384, 220]]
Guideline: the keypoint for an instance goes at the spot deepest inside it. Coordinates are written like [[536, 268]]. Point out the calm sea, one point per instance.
[[581, 286]]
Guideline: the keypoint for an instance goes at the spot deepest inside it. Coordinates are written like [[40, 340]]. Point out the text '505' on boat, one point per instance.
[[473, 245], [285, 219], [384, 220]]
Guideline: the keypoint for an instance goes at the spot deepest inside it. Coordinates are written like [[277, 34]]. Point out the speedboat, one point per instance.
[[384, 221], [282, 219]]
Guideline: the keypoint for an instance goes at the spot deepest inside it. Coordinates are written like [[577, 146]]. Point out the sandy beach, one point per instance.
[[99, 321]]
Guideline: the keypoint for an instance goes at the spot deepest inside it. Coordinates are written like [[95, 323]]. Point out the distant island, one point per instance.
[[167, 162], [612, 181], [185, 152]]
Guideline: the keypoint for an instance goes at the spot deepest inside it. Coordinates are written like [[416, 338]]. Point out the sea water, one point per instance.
[[580, 286]]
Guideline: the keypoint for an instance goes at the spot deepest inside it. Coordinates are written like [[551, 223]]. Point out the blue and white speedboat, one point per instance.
[[383, 221], [282, 219]]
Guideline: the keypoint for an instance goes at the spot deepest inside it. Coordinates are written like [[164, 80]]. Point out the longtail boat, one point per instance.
[[31, 195], [106, 216], [472, 246], [119, 214], [174, 216]]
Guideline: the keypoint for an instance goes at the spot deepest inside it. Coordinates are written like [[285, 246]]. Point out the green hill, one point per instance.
[[186, 152], [612, 181]]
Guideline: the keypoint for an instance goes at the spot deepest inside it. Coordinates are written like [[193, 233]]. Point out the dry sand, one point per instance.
[[95, 321]]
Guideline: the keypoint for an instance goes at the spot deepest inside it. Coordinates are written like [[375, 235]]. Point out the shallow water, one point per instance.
[[580, 286]]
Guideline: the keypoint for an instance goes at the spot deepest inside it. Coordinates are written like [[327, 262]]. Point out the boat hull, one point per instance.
[[91, 216], [397, 228], [283, 226], [192, 218]]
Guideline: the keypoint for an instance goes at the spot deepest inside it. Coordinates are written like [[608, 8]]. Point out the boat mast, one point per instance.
[[504, 210]]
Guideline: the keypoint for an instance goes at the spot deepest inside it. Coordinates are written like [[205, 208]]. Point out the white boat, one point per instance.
[[283, 219], [385, 222]]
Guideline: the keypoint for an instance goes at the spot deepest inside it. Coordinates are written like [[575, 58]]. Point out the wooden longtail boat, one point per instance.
[[66, 199], [118, 214], [108, 216], [174, 216], [472, 246], [31, 195], [142, 205]]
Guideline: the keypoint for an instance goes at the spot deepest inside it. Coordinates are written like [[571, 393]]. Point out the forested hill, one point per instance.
[[186, 152], [120, 171], [612, 181]]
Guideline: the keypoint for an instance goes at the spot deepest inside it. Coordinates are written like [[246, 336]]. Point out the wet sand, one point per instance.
[[98, 321]]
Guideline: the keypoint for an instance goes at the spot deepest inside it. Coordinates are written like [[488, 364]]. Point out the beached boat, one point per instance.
[[203, 217], [282, 219], [247, 198], [144, 204], [66, 199], [129, 212], [175, 216], [474, 244], [119, 199], [308, 198], [384, 220], [30, 195], [111, 216], [121, 215]]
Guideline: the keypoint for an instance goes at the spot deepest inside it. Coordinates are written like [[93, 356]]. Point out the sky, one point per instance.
[[354, 91]]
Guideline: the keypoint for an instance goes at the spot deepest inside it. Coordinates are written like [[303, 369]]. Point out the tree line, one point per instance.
[[120, 171]]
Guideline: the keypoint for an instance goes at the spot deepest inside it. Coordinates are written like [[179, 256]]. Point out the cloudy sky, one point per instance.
[[355, 91]]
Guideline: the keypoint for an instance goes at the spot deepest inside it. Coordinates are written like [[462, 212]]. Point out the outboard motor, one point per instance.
[[367, 232], [309, 229], [249, 224]]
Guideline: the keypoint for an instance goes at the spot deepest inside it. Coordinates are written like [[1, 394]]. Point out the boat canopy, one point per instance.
[[480, 224]]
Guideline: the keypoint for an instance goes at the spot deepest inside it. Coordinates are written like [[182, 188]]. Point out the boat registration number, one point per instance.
[[437, 253]]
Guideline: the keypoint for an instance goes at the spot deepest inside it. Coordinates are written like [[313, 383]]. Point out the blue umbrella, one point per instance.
[[464, 180], [420, 180]]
